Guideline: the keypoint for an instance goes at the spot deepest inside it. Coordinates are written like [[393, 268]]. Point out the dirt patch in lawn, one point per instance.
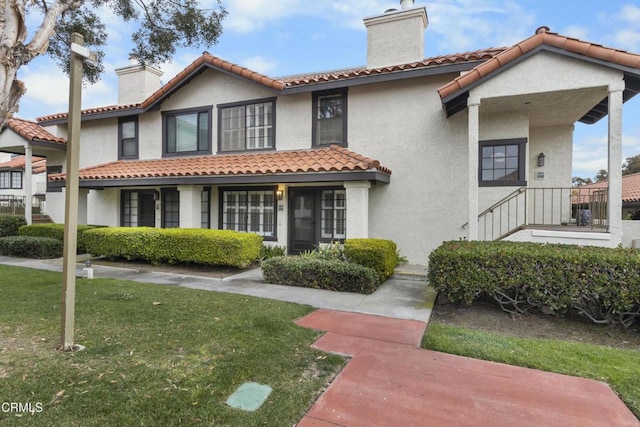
[[186, 269], [487, 316]]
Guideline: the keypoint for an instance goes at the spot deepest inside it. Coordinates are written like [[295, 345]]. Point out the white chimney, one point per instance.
[[136, 82], [396, 36]]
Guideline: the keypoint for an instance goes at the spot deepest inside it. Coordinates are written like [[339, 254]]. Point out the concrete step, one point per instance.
[[41, 219], [414, 272]]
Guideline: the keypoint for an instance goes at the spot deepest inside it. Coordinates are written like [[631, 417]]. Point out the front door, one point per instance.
[[302, 218], [146, 210]]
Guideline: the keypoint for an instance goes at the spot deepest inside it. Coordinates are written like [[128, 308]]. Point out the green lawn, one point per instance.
[[617, 367], [155, 355]]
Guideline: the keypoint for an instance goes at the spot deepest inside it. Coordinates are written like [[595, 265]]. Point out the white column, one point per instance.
[[27, 183], [473, 108], [357, 194], [614, 205], [83, 193], [190, 198]]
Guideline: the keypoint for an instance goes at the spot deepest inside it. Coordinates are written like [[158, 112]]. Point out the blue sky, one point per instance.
[[287, 37]]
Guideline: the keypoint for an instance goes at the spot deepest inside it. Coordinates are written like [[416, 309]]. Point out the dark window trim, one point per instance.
[[208, 191], [522, 154], [163, 200], [221, 107], [10, 174], [273, 188], [172, 113], [50, 171], [122, 195], [122, 120], [314, 114]]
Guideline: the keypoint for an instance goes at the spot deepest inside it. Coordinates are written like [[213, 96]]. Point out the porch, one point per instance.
[[553, 209]]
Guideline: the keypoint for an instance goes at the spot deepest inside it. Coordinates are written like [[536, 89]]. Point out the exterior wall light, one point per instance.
[[279, 194], [541, 158]]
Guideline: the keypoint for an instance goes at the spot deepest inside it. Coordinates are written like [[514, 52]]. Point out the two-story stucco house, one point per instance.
[[405, 148]]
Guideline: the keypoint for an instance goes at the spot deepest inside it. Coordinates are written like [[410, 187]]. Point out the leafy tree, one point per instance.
[[576, 181], [601, 175], [163, 25], [631, 165]]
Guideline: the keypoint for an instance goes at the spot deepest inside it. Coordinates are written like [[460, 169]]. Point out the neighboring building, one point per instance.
[[14, 189], [630, 194], [403, 148]]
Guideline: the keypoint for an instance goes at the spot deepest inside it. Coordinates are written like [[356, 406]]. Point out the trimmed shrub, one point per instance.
[[317, 273], [379, 254], [175, 245], [602, 284], [56, 231], [30, 247], [270, 251], [9, 224]]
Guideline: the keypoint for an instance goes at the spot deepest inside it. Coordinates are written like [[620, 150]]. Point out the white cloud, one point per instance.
[[260, 64], [577, 32], [624, 26]]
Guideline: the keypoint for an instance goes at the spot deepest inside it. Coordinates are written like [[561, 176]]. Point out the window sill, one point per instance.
[[502, 184], [253, 150]]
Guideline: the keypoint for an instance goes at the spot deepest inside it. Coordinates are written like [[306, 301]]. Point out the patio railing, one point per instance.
[[584, 208], [15, 205]]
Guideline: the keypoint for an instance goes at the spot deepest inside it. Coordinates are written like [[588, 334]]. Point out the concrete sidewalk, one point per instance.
[[404, 297]]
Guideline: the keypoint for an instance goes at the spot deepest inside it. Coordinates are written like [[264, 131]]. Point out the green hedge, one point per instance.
[[30, 247], [56, 231], [317, 273], [379, 254], [600, 283], [175, 245], [10, 224]]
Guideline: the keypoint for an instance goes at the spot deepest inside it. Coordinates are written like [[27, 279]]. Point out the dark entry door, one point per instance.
[[146, 210], [303, 221]]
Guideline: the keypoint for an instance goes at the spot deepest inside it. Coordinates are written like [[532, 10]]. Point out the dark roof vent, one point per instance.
[[390, 10], [543, 29]]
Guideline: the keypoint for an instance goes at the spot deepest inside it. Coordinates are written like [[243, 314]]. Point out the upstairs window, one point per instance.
[[247, 126], [187, 132], [330, 118], [502, 162], [128, 138]]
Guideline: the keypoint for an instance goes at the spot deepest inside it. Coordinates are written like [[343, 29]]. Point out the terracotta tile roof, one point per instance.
[[478, 55], [281, 83], [331, 159], [31, 131], [208, 59], [543, 36], [630, 187], [89, 111], [38, 164]]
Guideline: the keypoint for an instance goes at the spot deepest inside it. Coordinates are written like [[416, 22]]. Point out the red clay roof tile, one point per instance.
[[89, 111], [542, 37], [630, 187], [31, 131], [38, 164], [333, 158]]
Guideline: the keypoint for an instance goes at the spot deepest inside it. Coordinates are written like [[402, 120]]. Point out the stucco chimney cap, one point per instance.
[[405, 4]]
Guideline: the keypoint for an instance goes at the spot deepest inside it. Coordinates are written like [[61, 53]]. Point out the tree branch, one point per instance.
[[40, 41]]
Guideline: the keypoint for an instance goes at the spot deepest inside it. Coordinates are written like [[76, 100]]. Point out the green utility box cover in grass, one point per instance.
[[249, 396]]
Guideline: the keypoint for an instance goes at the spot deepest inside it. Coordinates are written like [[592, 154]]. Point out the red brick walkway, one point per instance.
[[390, 382]]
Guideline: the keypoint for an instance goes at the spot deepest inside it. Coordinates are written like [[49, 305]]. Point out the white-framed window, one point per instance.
[[333, 214], [252, 211], [247, 126]]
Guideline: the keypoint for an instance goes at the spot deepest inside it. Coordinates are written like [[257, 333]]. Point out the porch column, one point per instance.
[[83, 193], [614, 199], [190, 199], [26, 184], [357, 194], [473, 108]]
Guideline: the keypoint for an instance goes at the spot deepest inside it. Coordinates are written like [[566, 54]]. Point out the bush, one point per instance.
[[56, 231], [600, 283], [175, 245], [269, 251], [9, 224], [30, 247], [379, 254], [317, 273]]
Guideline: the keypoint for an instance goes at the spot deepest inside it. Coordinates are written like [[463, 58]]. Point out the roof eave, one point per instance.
[[372, 175]]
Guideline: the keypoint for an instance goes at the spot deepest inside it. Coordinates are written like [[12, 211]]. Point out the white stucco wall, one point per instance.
[[104, 207], [630, 232]]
